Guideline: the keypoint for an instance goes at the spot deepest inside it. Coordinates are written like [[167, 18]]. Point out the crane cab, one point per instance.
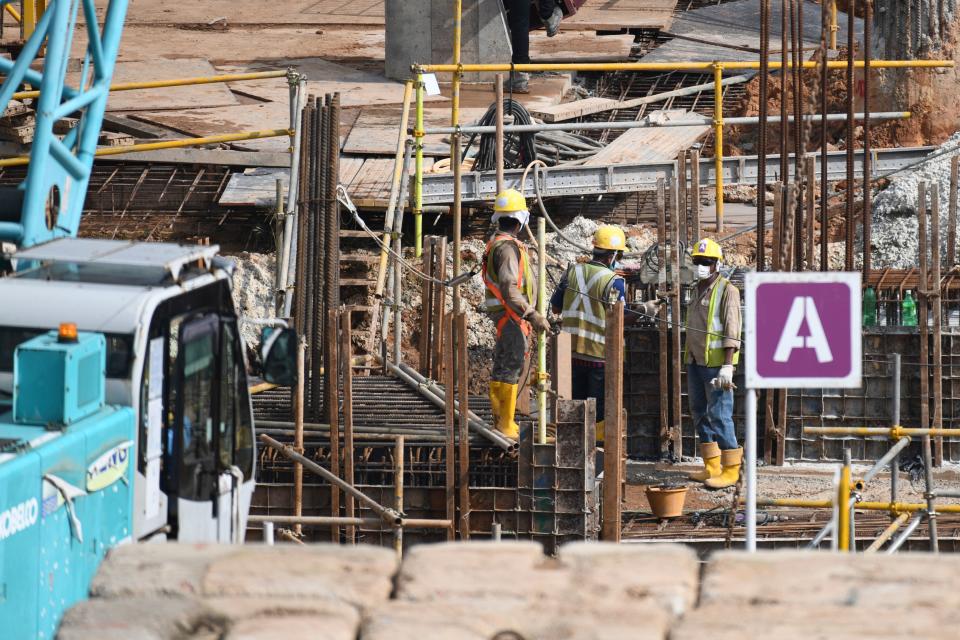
[[173, 355]]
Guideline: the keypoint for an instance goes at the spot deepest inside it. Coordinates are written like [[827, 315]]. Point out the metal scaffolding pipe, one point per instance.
[[20, 161], [894, 432], [407, 523], [887, 533], [878, 466], [865, 506], [905, 534], [175, 82], [431, 394], [640, 124], [389, 516], [671, 66]]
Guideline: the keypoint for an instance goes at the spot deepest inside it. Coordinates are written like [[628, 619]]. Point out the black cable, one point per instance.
[[519, 150]]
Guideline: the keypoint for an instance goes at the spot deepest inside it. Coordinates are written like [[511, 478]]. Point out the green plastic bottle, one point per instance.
[[908, 310], [869, 308]]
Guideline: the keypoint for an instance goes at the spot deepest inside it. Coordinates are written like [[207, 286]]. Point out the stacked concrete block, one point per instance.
[[592, 590], [789, 595], [161, 592]]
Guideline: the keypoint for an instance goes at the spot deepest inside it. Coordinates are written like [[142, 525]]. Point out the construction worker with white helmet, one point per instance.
[[510, 298], [581, 298], [712, 351]]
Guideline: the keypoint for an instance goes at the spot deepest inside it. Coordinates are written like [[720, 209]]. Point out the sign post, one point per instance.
[[802, 331]]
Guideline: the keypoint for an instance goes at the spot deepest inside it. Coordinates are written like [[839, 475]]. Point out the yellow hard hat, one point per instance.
[[707, 248], [609, 237], [510, 200]]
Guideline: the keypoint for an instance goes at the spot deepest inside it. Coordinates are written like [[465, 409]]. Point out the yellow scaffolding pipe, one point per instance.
[[13, 12], [175, 82], [673, 66], [894, 433], [834, 27], [418, 173], [32, 10], [843, 513], [718, 141], [895, 507], [888, 532], [20, 161], [455, 150]]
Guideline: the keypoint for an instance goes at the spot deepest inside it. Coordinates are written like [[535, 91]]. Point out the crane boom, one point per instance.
[[49, 202]]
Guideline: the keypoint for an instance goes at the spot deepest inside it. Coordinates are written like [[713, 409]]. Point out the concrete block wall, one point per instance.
[[482, 590]]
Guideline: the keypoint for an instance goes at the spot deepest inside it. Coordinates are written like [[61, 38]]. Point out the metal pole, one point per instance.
[[718, 139], [346, 354], [750, 449], [398, 493], [890, 455], [930, 495], [851, 502], [298, 430], [851, 221], [293, 193], [808, 118], [887, 533], [843, 504], [268, 533], [389, 516], [833, 24], [418, 172], [823, 533], [895, 462], [498, 147], [905, 534], [496, 531], [542, 375], [672, 66]]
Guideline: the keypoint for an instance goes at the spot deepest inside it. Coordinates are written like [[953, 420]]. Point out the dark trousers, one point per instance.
[[518, 20], [589, 382]]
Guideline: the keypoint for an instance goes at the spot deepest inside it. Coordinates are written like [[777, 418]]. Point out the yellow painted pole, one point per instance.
[[418, 174], [455, 149], [896, 507], [718, 141], [843, 509], [13, 12], [20, 161], [175, 82], [541, 336], [894, 433], [834, 27], [674, 66], [888, 532], [31, 12]]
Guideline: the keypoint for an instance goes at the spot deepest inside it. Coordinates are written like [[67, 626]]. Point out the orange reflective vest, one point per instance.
[[525, 282]]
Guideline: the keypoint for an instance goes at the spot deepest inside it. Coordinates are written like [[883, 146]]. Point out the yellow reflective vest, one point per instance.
[[589, 291], [715, 355]]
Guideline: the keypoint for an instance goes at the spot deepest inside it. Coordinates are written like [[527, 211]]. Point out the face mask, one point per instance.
[[703, 272]]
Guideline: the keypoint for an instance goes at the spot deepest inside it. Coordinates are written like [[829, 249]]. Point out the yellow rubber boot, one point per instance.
[[507, 403], [710, 452], [730, 460], [495, 400], [600, 432]]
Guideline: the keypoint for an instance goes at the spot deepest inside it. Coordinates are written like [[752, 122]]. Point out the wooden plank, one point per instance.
[[575, 109], [188, 97], [648, 144], [256, 187], [579, 46], [613, 426], [619, 15]]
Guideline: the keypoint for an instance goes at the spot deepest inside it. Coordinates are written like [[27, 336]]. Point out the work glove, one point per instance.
[[539, 322], [651, 307], [724, 379]]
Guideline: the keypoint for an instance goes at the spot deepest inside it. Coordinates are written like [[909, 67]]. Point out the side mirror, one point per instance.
[[278, 352]]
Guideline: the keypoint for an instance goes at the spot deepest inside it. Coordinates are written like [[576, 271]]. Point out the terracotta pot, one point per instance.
[[666, 502]]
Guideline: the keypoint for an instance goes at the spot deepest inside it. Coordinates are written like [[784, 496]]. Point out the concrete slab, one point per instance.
[[235, 119]]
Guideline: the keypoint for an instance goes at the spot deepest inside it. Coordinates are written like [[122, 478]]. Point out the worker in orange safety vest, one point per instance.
[[511, 293]]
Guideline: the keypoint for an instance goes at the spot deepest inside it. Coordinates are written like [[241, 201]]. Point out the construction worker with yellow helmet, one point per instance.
[[510, 300], [712, 351], [581, 299]]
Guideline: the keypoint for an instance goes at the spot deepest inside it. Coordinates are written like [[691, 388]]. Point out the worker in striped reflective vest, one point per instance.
[[510, 298], [581, 298], [712, 351]]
